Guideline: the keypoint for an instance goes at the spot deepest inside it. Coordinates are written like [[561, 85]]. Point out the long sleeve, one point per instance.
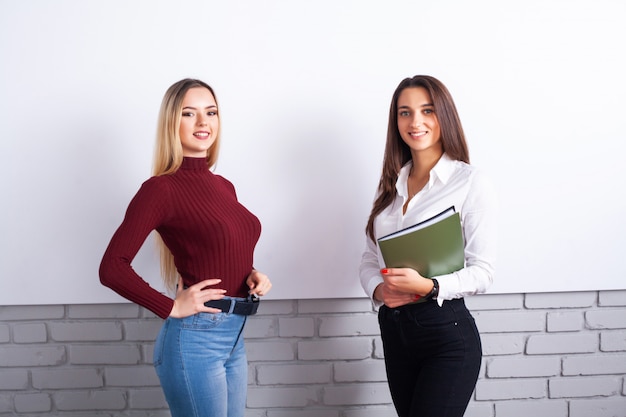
[[480, 229], [369, 270], [145, 213]]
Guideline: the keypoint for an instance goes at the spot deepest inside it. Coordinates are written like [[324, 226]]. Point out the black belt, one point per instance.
[[246, 307]]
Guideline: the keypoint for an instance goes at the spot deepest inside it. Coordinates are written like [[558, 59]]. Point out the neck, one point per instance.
[[423, 163]]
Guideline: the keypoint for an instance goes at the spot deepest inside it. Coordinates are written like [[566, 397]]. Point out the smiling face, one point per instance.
[[417, 122], [199, 122]]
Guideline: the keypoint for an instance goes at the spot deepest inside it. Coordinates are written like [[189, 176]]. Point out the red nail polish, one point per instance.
[[384, 271]]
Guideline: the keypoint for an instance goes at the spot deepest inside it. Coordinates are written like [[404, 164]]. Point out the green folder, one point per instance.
[[433, 247]]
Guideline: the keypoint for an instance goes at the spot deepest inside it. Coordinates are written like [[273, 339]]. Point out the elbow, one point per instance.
[[106, 273]]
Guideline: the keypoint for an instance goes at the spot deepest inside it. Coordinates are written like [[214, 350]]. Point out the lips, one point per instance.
[[201, 135], [417, 134]]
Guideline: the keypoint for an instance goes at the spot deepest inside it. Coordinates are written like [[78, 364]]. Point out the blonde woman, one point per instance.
[[207, 241]]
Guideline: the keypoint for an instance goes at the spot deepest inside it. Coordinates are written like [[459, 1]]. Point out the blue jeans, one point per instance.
[[201, 363], [432, 357]]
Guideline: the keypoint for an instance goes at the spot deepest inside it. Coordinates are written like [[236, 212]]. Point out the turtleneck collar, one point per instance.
[[194, 164]]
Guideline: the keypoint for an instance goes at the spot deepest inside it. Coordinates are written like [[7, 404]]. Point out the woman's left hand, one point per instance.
[[259, 283]]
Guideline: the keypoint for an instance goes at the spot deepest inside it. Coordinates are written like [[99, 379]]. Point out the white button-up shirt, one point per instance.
[[451, 183]]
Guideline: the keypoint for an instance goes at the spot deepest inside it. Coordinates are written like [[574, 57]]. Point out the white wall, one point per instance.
[[304, 90]]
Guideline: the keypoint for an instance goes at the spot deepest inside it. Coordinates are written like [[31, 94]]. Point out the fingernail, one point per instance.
[[384, 271]]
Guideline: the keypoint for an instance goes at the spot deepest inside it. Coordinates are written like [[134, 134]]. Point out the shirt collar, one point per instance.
[[442, 171]]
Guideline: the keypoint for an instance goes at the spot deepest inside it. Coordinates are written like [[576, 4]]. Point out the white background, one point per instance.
[[304, 90]]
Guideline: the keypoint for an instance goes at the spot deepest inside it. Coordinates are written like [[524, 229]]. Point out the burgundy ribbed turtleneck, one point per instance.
[[196, 212]]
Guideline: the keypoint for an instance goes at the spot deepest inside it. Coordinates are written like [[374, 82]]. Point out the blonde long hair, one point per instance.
[[168, 156]]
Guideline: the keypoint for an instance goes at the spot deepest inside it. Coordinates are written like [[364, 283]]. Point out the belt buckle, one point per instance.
[[252, 298]]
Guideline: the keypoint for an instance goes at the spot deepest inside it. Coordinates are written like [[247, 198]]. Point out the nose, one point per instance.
[[417, 121], [202, 120]]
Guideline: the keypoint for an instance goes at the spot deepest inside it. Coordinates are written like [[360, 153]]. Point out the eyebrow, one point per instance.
[[423, 105], [193, 108]]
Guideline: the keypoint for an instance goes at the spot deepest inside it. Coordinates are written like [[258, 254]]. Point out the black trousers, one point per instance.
[[432, 357]]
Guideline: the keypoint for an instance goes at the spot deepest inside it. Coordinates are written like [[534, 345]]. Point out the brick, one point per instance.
[[296, 327], [609, 407], [506, 344], [360, 371], [142, 330], [16, 313], [322, 412], [5, 334], [131, 376], [584, 387], [510, 321], [379, 350], [562, 343], [495, 302], [103, 311], [505, 367], [32, 403], [606, 319], [13, 379], [613, 341], [104, 354], [594, 365], [66, 378], [352, 325], [151, 398], [270, 351], [32, 355], [513, 389], [294, 374], [335, 349], [6, 403], [612, 298], [330, 306], [90, 400], [565, 321], [373, 411], [537, 408], [560, 300], [147, 353], [30, 333], [357, 394], [85, 331], [281, 397], [277, 307], [475, 409], [261, 327]]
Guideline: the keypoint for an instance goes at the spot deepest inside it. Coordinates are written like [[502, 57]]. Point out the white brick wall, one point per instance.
[[545, 355]]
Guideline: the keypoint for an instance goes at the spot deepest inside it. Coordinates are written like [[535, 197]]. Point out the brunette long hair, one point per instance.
[[398, 153]]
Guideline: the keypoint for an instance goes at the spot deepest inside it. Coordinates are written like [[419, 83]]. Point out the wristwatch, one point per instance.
[[434, 292]]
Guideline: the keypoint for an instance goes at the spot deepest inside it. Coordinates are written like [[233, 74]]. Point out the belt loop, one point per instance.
[[232, 306]]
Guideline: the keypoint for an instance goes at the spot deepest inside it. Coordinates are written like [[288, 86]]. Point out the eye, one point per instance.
[[212, 113], [429, 111], [187, 114], [403, 113]]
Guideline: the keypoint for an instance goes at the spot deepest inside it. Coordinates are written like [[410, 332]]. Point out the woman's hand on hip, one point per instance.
[[258, 283], [190, 301]]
